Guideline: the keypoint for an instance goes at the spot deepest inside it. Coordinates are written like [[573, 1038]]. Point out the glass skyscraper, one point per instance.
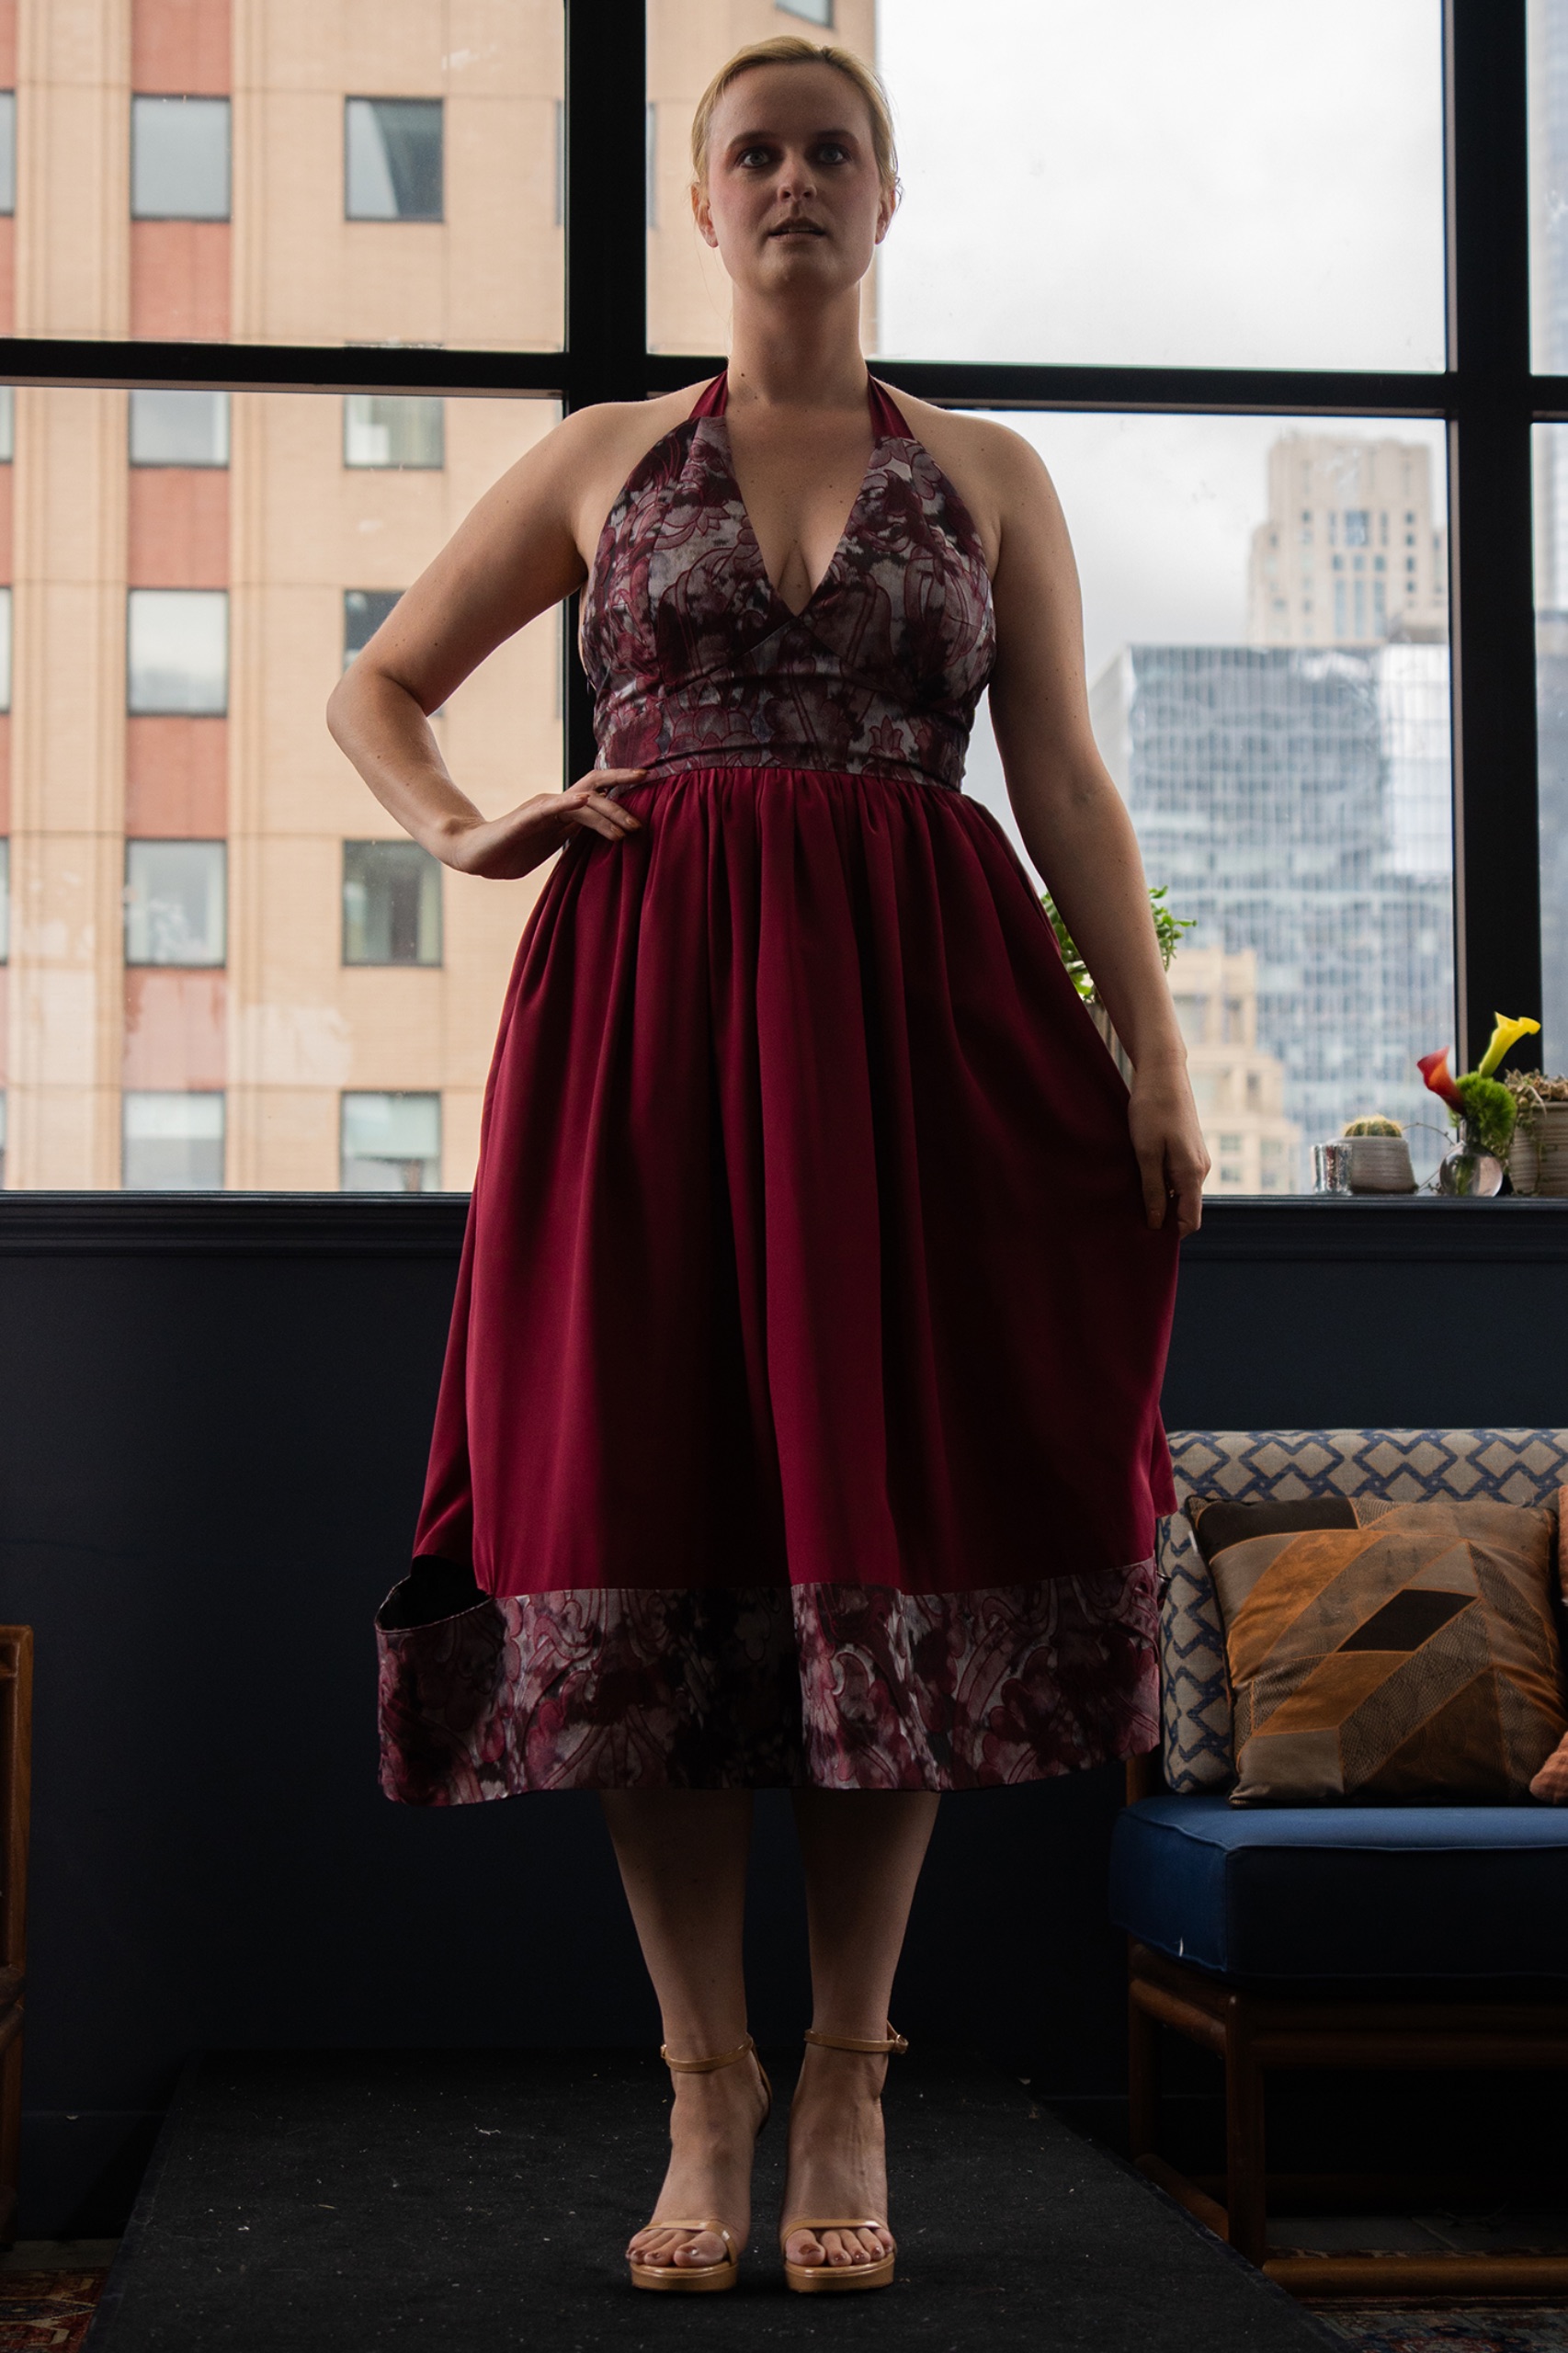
[[1297, 803]]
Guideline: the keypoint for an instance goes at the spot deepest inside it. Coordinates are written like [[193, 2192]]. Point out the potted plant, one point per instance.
[[1380, 1156], [1482, 1109], [1538, 1156]]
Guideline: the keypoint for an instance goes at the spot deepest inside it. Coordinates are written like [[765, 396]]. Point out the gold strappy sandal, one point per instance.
[[700, 2278], [817, 2278]]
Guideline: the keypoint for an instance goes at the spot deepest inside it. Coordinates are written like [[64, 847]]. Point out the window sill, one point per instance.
[[1237, 1227]]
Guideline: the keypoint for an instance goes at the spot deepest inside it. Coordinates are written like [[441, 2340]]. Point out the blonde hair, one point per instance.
[[789, 49]]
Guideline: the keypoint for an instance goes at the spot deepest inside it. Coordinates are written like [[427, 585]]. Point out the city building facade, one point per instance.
[[1349, 554], [1238, 1088], [1295, 805], [225, 964]]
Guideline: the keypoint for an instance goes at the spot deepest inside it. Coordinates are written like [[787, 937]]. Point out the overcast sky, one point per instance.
[[1242, 183]]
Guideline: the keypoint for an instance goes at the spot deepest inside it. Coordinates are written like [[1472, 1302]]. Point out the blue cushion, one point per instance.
[[1345, 1892]]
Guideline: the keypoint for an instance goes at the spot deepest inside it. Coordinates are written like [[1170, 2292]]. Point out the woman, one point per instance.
[[799, 1422]]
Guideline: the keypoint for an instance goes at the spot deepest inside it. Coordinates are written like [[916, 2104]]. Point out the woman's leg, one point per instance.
[[862, 1851], [683, 1862]]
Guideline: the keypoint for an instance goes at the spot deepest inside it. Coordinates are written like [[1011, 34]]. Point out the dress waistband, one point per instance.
[[670, 764]]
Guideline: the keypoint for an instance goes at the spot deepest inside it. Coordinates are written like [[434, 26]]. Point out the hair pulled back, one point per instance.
[[789, 49]]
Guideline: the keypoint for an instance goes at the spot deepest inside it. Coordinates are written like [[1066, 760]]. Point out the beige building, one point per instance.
[[1239, 1088], [226, 965], [1350, 555]]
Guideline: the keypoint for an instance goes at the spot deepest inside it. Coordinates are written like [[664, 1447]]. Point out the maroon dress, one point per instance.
[[800, 1418]]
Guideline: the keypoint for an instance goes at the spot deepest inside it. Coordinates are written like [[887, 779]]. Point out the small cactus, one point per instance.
[[1374, 1125]]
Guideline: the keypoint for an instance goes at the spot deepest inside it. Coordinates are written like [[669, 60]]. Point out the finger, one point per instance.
[[595, 821], [1190, 1207], [604, 779], [605, 807], [1151, 1176]]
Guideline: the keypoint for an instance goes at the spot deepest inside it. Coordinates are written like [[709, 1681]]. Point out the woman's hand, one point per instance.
[[1173, 1159], [503, 848]]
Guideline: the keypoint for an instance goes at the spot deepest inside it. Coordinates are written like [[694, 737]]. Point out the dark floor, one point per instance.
[[366, 2203]]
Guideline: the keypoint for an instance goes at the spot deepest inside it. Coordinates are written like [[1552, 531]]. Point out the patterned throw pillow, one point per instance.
[[1195, 1683], [1412, 1658], [1403, 1466], [1551, 1784]]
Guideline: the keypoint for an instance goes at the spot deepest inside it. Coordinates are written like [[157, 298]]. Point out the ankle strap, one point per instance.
[[705, 2066], [894, 2042]]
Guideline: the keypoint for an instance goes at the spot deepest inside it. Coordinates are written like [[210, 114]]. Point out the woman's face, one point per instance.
[[792, 201]]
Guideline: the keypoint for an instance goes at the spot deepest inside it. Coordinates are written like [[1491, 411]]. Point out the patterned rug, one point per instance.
[[1475, 2328], [47, 2312]]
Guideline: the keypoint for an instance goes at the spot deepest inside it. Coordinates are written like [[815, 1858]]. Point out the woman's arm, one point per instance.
[[1075, 826], [517, 553]]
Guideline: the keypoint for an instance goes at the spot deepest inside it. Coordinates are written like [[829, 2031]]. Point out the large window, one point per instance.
[[217, 923], [1204, 268]]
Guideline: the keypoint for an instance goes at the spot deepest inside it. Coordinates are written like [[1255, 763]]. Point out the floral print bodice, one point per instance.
[[696, 661]]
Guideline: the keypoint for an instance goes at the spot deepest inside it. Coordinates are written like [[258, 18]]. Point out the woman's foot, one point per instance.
[[713, 2128], [837, 2163]]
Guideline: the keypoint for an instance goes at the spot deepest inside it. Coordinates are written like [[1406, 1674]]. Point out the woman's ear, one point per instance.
[[702, 213]]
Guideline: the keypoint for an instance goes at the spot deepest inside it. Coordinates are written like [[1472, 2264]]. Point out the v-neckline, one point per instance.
[[776, 594]]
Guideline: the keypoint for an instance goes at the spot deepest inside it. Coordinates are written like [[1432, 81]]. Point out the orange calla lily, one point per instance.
[[1434, 1069], [1508, 1032]]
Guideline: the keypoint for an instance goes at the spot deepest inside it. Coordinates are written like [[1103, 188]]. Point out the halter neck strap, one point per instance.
[[888, 421]]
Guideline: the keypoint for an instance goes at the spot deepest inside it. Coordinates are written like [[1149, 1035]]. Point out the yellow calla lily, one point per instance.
[[1507, 1033]]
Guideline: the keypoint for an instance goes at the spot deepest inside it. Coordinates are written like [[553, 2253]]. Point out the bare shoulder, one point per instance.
[[601, 446], [1000, 476], [566, 483]]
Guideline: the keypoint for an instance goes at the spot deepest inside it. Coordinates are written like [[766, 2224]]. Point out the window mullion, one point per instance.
[[1496, 818], [606, 251]]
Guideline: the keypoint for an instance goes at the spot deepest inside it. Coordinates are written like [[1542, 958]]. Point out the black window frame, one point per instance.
[[1487, 397]]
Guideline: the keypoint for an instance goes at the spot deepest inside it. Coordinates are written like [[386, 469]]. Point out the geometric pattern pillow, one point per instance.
[[1411, 1660], [1517, 1466]]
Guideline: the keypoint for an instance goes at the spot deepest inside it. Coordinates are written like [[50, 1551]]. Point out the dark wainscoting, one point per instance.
[[215, 1414]]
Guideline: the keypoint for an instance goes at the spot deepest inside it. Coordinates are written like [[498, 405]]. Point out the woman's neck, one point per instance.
[[797, 358]]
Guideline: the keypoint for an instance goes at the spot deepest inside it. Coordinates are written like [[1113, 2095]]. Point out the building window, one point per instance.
[[7, 151], [815, 12], [392, 903], [179, 159], [364, 610], [174, 903], [179, 428], [172, 1143], [177, 651], [394, 429], [392, 159], [391, 1143], [561, 162]]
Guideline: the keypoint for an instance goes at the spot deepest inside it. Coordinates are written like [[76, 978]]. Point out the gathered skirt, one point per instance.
[[799, 1416]]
